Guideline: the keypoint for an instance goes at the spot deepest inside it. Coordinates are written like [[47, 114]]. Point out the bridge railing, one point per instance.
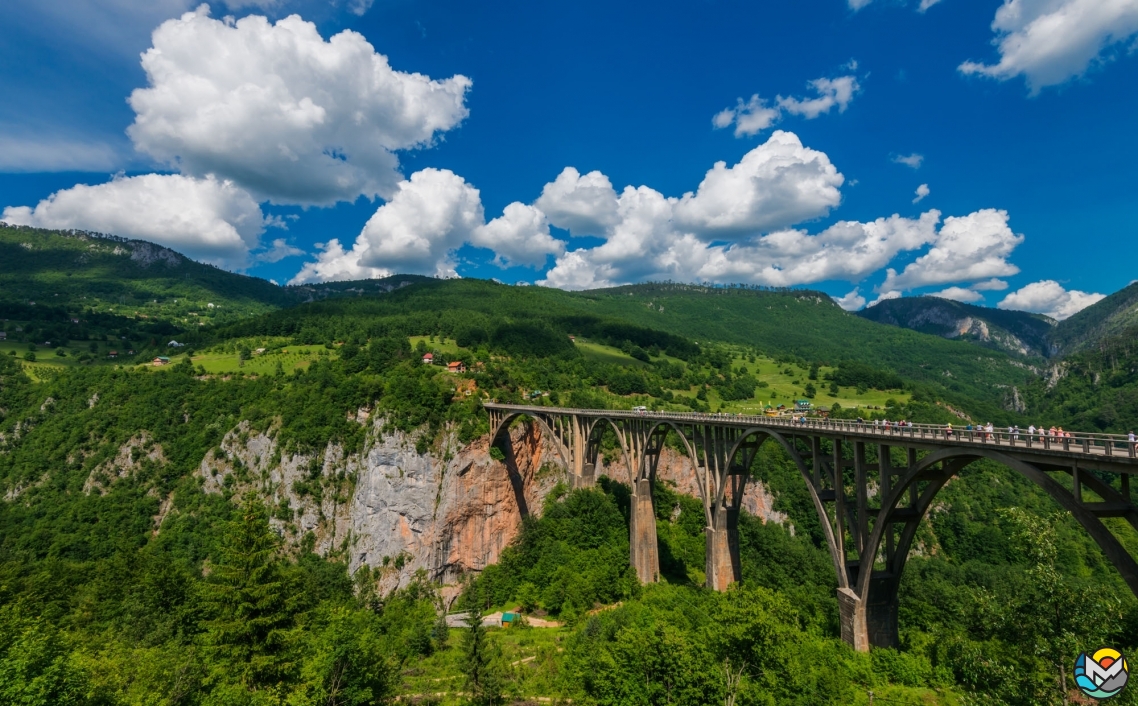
[[1073, 442]]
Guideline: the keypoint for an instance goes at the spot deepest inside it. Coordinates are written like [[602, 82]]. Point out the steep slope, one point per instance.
[[1109, 317], [78, 271], [1016, 332]]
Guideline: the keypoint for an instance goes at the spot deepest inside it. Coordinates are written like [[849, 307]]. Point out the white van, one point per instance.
[[640, 410]]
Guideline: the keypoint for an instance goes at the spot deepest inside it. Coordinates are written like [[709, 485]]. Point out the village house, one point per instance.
[[429, 359], [161, 360], [112, 354], [456, 367]]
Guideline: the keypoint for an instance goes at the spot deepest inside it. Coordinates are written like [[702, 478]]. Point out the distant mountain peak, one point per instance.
[[1016, 332]]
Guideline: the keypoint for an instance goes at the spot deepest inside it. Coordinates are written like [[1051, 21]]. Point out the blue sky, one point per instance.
[[255, 143]]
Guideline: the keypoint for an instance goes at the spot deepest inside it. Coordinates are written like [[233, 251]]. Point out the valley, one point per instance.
[[297, 456]]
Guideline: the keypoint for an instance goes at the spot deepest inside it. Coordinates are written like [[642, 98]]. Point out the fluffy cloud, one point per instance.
[[520, 236], [584, 205], [644, 247], [967, 248], [992, 285], [431, 214], [1050, 298], [886, 296], [749, 118], [922, 192], [960, 294], [926, 4], [776, 184], [282, 112], [757, 114], [851, 302], [334, 264], [831, 92], [1051, 41], [910, 160], [207, 219]]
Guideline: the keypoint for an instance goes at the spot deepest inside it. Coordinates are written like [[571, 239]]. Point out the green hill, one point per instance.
[[79, 271], [1109, 317], [1016, 332], [793, 325]]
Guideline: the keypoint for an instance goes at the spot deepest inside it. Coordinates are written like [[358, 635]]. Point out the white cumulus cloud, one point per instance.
[[776, 184], [584, 205], [282, 112], [886, 296], [967, 248], [756, 114], [922, 192], [1051, 41], [207, 219], [960, 294], [430, 216], [850, 302], [1050, 298], [520, 236]]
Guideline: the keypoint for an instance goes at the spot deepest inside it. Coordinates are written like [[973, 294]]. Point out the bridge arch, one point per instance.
[[837, 554], [546, 429], [877, 591]]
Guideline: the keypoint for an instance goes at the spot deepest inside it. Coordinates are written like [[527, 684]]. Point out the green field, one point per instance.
[[289, 359], [531, 653]]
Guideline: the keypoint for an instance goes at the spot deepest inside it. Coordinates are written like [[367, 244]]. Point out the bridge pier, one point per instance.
[[723, 568], [851, 616], [645, 556], [587, 477]]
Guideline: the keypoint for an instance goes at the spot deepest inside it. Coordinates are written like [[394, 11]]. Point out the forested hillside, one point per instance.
[[1015, 332], [189, 533], [1111, 317]]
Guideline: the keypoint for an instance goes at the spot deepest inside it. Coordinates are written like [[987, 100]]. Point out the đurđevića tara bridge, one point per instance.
[[839, 461]]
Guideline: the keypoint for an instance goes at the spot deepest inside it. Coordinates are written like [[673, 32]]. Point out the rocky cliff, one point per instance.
[[448, 511]]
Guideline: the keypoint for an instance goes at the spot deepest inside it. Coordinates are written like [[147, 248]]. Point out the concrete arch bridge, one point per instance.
[[868, 538]]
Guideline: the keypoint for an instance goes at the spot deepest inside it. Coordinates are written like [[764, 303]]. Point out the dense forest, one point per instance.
[[138, 587]]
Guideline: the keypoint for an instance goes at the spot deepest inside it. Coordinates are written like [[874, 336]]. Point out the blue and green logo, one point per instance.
[[1103, 674]]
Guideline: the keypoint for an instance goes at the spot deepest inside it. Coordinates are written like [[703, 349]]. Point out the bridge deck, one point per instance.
[[1110, 452]]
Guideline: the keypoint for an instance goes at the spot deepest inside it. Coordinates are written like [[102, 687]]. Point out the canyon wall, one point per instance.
[[447, 512]]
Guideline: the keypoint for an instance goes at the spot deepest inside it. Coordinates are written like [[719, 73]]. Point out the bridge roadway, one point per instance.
[[870, 484]]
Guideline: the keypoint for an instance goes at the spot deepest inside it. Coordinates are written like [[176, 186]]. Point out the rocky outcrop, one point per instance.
[[448, 511], [147, 254], [130, 458]]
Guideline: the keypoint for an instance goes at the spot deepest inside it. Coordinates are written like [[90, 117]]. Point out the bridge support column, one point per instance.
[[723, 567], [881, 623], [851, 615], [642, 540], [587, 478]]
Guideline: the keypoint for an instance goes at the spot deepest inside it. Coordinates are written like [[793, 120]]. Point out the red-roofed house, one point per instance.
[[429, 359], [456, 367]]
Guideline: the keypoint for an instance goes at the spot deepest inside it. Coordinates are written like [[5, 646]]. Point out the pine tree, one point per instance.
[[248, 635], [480, 663]]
